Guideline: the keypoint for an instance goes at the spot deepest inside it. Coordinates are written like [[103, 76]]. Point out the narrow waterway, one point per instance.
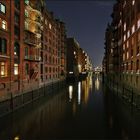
[[82, 110]]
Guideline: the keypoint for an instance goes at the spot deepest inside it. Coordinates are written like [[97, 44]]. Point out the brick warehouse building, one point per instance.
[[78, 61], [32, 48], [125, 44]]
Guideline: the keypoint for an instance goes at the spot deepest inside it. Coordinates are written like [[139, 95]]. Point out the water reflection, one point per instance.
[[16, 138], [90, 82], [75, 113], [70, 92], [97, 83], [79, 92]]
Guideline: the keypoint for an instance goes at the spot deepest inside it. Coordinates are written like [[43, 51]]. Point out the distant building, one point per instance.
[[72, 57], [78, 61]]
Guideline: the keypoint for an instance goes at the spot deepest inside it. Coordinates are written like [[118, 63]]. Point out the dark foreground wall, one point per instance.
[[21, 100]]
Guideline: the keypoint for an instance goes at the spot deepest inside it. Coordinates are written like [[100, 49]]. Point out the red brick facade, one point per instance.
[[32, 46]]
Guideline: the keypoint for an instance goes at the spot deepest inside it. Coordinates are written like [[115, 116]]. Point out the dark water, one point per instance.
[[83, 110]]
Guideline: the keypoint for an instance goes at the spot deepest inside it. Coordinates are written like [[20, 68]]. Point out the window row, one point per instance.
[[4, 69], [3, 48], [133, 29], [130, 53], [131, 67], [50, 69]]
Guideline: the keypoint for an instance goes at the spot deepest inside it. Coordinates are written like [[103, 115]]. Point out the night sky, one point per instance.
[[86, 21]]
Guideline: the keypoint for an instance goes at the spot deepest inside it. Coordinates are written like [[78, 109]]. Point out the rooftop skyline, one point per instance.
[[86, 21]]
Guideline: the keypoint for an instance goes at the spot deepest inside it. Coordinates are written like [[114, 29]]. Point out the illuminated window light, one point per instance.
[[138, 23], [128, 34], [133, 2], [133, 29], [3, 69], [4, 24], [70, 72], [50, 26], [16, 69], [124, 27]]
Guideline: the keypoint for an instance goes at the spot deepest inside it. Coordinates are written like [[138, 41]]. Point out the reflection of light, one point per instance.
[[2, 73], [70, 72], [86, 92], [97, 84], [70, 92], [79, 92], [80, 68], [90, 81], [83, 72], [16, 138]]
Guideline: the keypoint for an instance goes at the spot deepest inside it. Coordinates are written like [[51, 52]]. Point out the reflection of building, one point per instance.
[[121, 61], [32, 46]]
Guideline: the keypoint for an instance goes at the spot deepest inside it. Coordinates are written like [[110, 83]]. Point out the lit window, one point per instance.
[[133, 2], [27, 2], [133, 29], [74, 52], [127, 44], [2, 8], [26, 13], [3, 69], [15, 69], [127, 55], [124, 4], [50, 26], [138, 23], [124, 27], [124, 37], [128, 34], [4, 24], [26, 25]]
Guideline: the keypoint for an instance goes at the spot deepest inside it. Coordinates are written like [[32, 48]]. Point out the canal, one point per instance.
[[82, 110]]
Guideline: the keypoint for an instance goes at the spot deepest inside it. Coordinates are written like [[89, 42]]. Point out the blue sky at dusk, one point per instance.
[[86, 21]]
